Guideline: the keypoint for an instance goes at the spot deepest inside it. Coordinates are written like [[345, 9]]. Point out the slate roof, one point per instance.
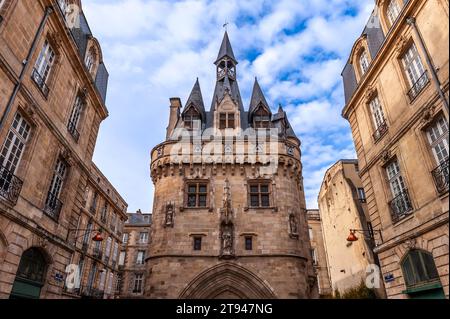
[[375, 39], [231, 86], [81, 36], [225, 49]]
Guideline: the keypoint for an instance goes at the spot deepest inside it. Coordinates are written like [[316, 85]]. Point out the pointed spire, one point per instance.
[[257, 98], [226, 49], [196, 98]]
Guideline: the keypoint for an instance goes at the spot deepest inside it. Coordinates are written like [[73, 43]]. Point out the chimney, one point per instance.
[[175, 107]]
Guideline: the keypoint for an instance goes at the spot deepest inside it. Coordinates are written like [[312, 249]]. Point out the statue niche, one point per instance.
[[293, 226], [170, 212], [226, 225]]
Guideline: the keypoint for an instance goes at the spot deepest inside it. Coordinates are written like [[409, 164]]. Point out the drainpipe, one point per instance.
[[412, 22], [25, 64]]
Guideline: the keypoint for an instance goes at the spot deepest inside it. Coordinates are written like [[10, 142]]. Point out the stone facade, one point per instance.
[[343, 206], [397, 106], [52, 90], [136, 238], [224, 224], [319, 254]]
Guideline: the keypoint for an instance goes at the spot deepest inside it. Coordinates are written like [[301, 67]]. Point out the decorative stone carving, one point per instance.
[[226, 225], [170, 214], [428, 114], [386, 156], [293, 226], [401, 44], [410, 243], [370, 93]]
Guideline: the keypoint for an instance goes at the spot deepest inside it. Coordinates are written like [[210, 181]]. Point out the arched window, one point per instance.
[[392, 11], [261, 118], [418, 267], [190, 118], [363, 62], [90, 60]]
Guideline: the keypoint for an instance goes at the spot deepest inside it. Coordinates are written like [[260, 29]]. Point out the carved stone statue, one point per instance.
[[293, 225], [227, 240], [227, 210], [169, 215]]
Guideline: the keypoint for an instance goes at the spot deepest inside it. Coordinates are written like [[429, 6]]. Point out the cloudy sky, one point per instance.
[[155, 50]]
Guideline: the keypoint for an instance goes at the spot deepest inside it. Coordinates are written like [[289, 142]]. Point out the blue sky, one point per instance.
[[155, 50]]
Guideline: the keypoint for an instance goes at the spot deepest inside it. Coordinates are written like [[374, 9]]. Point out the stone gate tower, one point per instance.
[[229, 215]]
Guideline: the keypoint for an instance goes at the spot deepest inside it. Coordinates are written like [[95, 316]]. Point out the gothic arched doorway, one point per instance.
[[227, 281], [30, 275]]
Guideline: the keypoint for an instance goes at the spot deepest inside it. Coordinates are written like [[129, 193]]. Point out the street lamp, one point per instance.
[[352, 236], [98, 237]]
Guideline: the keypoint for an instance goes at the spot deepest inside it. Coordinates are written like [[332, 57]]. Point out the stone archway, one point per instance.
[[227, 281], [31, 274]]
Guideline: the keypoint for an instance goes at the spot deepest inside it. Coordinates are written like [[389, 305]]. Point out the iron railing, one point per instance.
[[440, 175], [380, 131], [103, 219], [113, 265], [93, 209], [72, 128], [10, 186], [93, 293], [40, 82], [400, 205], [418, 86], [53, 206]]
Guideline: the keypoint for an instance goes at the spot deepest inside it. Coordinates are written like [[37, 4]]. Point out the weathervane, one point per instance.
[[226, 26]]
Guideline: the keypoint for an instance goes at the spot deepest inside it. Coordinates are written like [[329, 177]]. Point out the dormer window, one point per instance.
[[191, 117], [363, 62], [90, 60], [393, 11], [261, 119], [227, 120]]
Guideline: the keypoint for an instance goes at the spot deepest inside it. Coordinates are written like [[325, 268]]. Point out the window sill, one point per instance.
[[423, 287], [273, 208], [404, 218], [209, 209]]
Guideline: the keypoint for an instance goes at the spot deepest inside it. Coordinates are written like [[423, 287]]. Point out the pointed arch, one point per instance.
[[227, 279]]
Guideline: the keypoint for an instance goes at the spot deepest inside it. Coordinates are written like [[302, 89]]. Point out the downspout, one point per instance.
[[25, 63], [411, 21]]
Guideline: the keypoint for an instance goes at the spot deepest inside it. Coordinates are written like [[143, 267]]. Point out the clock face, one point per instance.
[[231, 72]]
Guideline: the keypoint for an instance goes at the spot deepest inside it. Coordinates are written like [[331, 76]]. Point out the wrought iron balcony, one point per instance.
[[440, 175], [72, 128], [40, 82], [380, 131], [400, 206], [113, 265], [418, 86], [10, 185], [103, 219], [53, 206], [93, 293], [97, 253]]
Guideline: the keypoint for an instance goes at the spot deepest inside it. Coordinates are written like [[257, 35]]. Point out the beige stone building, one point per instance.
[[342, 205], [229, 215], [318, 252], [132, 269], [396, 87], [52, 100]]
